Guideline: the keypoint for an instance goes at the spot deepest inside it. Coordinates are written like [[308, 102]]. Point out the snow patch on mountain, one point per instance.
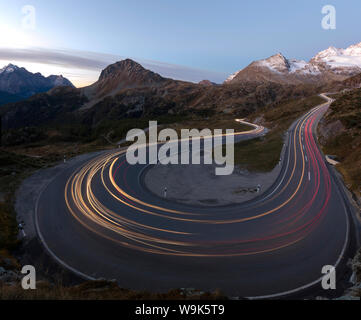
[[330, 52], [277, 63], [297, 65], [344, 61], [303, 67], [232, 76]]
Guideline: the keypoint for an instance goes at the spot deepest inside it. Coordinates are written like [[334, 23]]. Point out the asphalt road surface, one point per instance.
[[98, 220]]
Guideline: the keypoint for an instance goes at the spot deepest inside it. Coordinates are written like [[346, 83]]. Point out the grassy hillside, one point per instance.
[[13, 169], [59, 115], [263, 154], [340, 134]]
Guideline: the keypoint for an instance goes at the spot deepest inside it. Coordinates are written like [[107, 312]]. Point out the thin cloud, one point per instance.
[[92, 61], [54, 57]]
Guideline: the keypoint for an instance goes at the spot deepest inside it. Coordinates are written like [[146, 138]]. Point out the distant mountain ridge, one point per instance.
[[126, 90], [329, 65], [18, 83]]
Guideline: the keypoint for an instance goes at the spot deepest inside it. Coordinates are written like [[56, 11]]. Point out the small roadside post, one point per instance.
[[21, 228], [165, 192]]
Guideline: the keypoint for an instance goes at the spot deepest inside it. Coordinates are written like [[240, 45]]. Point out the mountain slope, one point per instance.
[[56, 106], [340, 135], [353, 82], [6, 97]]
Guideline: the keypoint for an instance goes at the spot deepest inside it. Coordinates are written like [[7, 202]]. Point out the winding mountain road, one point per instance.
[[98, 220]]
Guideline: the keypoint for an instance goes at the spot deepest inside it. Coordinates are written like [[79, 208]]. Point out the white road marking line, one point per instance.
[[336, 264], [309, 176]]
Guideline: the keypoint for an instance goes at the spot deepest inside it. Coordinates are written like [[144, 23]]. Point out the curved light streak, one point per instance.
[[149, 236]]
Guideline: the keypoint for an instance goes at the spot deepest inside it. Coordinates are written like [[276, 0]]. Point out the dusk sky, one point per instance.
[[188, 40]]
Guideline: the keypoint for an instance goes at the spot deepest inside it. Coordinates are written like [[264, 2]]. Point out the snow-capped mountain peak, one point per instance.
[[354, 50], [330, 52], [347, 61], [19, 81], [328, 65], [9, 68]]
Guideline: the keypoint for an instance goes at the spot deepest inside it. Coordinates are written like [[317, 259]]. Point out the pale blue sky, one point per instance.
[[219, 36]]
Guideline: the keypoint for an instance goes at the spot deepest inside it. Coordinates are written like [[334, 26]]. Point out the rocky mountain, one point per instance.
[[329, 65], [23, 84], [122, 75]]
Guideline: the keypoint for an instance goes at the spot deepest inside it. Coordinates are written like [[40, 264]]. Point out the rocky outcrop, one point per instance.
[[354, 292], [356, 268], [9, 271], [9, 276], [329, 130]]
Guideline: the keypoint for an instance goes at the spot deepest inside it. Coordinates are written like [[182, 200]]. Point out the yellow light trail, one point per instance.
[[91, 208]]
